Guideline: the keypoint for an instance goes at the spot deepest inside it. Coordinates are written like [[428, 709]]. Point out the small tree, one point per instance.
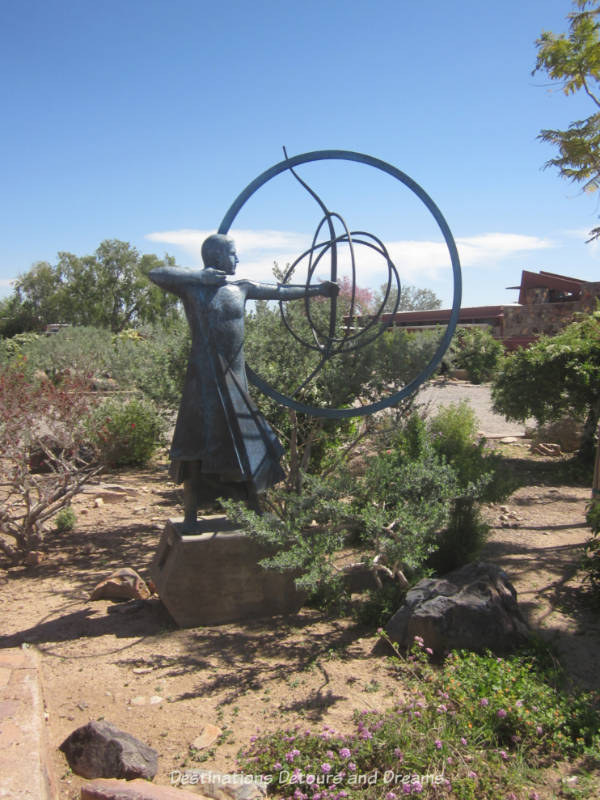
[[44, 461], [573, 60], [557, 376]]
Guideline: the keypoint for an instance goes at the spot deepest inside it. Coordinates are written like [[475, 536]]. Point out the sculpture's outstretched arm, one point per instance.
[[174, 279], [280, 291]]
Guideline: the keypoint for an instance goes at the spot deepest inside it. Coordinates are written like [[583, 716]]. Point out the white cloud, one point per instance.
[[494, 247], [415, 260]]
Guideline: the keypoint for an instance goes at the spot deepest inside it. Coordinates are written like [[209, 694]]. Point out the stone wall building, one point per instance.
[[547, 303]]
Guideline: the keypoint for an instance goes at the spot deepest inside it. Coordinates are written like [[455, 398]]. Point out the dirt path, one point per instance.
[[132, 667], [446, 392]]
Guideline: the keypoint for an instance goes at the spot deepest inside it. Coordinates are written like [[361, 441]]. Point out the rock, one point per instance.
[[474, 607], [34, 558], [98, 502], [101, 750], [567, 433], [546, 448], [138, 701], [124, 584], [110, 789], [208, 735]]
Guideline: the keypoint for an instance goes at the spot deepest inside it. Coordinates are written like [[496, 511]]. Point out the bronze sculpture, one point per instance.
[[222, 445]]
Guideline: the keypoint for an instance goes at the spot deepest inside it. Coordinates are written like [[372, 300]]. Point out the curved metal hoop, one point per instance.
[[349, 155]]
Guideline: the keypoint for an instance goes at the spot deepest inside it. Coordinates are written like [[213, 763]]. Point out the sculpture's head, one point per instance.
[[218, 251]]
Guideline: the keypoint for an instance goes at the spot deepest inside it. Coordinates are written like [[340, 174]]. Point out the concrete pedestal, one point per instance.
[[211, 576]]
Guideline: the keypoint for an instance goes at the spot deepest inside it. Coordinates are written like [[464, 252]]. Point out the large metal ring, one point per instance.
[[349, 155]]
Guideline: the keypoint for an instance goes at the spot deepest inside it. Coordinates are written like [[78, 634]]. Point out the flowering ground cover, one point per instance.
[[479, 726]]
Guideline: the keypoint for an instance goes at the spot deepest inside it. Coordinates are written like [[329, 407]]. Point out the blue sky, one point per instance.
[[142, 120]]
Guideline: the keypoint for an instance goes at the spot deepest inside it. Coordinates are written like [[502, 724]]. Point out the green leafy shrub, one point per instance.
[[65, 519], [412, 508], [126, 432], [474, 728], [558, 376], [476, 350], [454, 432]]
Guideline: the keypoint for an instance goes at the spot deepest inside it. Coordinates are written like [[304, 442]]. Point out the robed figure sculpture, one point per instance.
[[222, 445]]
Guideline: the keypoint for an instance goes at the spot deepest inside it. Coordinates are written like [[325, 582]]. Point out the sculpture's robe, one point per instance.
[[218, 426]]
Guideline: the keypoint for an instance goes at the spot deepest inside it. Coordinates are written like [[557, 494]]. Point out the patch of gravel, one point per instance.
[[437, 394]]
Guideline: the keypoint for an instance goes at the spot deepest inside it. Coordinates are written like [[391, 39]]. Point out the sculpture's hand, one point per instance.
[[212, 277], [329, 289]]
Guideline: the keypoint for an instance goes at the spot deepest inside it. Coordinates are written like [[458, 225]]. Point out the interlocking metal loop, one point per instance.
[[327, 343]]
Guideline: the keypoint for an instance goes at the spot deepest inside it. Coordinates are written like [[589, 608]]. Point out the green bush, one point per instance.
[[476, 350], [414, 507], [65, 519], [454, 438], [126, 432]]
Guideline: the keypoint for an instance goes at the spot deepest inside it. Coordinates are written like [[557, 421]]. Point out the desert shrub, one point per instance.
[[462, 539], [47, 424], [154, 360], [475, 728], [83, 351], [65, 519], [151, 359], [410, 510], [476, 350], [454, 438], [126, 432]]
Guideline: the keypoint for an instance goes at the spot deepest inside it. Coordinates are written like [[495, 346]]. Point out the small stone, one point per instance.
[[98, 502], [124, 584], [208, 735], [138, 701], [155, 700], [142, 670]]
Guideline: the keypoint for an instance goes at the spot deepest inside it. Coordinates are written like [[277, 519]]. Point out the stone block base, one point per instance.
[[211, 576]]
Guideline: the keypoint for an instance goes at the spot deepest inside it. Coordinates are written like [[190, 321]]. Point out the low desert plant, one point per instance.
[[126, 432], [65, 519], [44, 457]]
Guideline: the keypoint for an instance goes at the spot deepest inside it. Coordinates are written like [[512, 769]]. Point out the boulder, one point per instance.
[[124, 584], [101, 750], [566, 432], [474, 607]]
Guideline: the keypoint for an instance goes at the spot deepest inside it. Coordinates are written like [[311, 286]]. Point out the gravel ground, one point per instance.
[[438, 394]]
